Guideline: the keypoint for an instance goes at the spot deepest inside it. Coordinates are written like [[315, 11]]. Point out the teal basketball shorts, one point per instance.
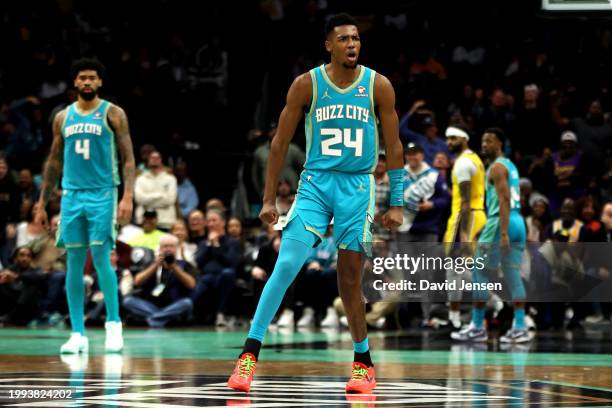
[[348, 198], [510, 261], [87, 217]]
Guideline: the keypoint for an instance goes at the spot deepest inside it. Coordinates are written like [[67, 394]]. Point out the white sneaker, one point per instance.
[[470, 333], [286, 319], [515, 336], [594, 319], [220, 321], [76, 344], [344, 321], [331, 319], [307, 319], [114, 337]]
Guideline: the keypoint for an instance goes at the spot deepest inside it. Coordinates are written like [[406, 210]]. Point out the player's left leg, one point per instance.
[[363, 378], [511, 266], [353, 217], [101, 215], [72, 235]]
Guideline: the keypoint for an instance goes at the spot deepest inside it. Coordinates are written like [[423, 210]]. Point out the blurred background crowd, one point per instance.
[[203, 92]]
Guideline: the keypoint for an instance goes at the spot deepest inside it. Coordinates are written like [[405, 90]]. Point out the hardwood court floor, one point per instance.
[[189, 368]]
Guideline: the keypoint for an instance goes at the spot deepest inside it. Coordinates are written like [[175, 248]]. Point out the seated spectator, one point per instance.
[[156, 190], [145, 152], [47, 256], [587, 209], [28, 190], [150, 236], [162, 291], [216, 203], [569, 174], [567, 225], [186, 250], [197, 226], [284, 198], [9, 206], [27, 231], [539, 218], [442, 164], [217, 259], [247, 249], [426, 204], [22, 287], [187, 194]]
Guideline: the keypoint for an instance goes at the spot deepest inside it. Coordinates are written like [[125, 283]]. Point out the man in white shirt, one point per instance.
[[156, 190]]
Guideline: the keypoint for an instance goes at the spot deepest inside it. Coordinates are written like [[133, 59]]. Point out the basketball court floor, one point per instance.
[[188, 368]]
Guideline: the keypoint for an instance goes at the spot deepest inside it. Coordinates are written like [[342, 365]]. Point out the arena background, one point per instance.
[[205, 83]]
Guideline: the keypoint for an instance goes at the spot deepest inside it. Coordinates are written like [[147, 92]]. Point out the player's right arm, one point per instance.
[[298, 97], [53, 168], [465, 212]]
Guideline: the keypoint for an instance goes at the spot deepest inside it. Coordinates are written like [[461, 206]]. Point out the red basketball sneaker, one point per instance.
[[362, 379], [243, 373]]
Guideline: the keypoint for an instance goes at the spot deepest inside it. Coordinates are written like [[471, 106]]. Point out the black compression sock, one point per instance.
[[251, 346], [364, 358]]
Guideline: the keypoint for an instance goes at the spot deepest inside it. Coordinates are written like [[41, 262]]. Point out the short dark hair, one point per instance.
[[338, 20], [84, 64], [499, 134]]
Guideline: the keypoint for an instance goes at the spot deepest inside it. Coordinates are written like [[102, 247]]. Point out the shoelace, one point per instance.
[[359, 373], [246, 366]]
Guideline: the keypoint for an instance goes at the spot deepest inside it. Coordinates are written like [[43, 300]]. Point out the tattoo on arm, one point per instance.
[[55, 161], [119, 121]]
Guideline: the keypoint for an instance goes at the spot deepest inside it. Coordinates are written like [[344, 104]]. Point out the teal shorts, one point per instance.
[[494, 257], [346, 197], [87, 217]]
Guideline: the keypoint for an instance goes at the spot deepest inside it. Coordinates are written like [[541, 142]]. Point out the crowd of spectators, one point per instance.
[[185, 258]]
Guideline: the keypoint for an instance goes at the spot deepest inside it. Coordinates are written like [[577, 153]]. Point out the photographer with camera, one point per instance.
[[162, 291]]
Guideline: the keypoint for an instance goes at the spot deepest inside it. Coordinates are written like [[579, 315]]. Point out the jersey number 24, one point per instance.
[[341, 136]]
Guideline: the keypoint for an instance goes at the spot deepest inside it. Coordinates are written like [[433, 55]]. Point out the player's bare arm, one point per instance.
[[384, 99], [298, 97], [52, 170], [465, 212], [499, 177], [119, 122]]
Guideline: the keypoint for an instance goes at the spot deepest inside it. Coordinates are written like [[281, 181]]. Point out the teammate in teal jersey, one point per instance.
[[502, 241], [342, 149], [86, 136]]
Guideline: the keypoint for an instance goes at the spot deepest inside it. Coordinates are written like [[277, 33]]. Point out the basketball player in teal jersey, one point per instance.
[[502, 242], [342, 150], [86, 136]]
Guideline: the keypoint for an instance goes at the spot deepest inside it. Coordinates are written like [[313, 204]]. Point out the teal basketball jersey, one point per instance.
[[341, 126], [90, 152], [513, 185]]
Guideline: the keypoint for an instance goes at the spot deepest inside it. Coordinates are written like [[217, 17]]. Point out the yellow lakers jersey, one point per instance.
[[477, 190]]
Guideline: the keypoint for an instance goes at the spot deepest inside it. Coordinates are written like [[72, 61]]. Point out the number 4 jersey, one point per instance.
[[341, 126], [90, 153]]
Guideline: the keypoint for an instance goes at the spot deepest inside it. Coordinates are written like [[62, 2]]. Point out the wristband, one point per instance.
[[396, 182]]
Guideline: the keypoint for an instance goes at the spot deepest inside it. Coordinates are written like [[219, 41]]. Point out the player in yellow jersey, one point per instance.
[[467, 208]]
